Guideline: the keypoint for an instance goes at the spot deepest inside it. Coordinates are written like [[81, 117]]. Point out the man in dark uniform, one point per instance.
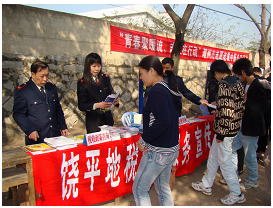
[[37, 109], [168, 64]]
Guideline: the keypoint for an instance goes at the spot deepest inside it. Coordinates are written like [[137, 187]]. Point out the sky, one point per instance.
[[245, 26]]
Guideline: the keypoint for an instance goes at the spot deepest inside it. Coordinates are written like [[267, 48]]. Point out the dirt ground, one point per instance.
[[183, 193]]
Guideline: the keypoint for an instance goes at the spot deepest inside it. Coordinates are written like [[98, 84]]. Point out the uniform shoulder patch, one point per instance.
[[104, 75], [21, 86], [51, 84], [81, 81]]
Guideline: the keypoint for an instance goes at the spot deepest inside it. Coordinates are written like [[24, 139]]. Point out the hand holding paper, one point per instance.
[[113, 98], [212, 106]]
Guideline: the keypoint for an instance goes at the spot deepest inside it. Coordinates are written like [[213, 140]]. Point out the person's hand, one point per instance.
[[116, 101], [141, 148], [219, 141], [65, 132], [103, 105], [204, 102], [214, 103], [213, 112], [33, 135]]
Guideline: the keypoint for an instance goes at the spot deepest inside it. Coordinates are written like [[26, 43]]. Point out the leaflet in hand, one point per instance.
[[111, 98], [212, 106]]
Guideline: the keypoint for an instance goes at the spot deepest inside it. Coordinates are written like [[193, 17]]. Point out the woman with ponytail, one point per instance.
[[160, 139]]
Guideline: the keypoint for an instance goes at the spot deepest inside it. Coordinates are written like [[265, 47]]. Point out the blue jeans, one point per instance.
[[154, 167], [250, 146], [220, 155]]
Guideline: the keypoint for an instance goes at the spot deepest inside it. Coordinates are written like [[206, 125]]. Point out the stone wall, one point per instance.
[[65, 71], [63, 40]]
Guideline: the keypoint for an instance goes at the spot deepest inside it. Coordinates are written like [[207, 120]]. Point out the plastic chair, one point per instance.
[[127, 118], [204, 110]]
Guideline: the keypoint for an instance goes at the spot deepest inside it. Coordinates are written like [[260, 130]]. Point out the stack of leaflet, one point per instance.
[[124, 133], [78, 139], [61, 142], [132, 130], [114, 131], [192, 120]]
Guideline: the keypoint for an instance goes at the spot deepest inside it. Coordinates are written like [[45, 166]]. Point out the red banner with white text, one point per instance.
[[131, 41], [88, 175]]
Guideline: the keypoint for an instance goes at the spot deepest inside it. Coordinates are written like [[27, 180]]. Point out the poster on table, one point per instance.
[[87, 175]]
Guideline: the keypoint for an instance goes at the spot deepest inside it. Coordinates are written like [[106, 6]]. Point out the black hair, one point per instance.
[[242, 64], [219, 66], [37, 66], [257, 69], [168, 60], [153, 62], [87, 76]]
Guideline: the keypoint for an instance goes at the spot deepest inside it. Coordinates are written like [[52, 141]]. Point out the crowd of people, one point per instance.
[[239, 135]]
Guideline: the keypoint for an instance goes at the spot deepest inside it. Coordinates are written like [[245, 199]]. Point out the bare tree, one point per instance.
[[263, 31], [180, 31], [207, 25]]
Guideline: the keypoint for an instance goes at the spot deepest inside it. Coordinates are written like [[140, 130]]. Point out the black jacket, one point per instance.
[[182, 88], [88, 97], [160, 116], [186, 92], [33, 112], [253, 123]]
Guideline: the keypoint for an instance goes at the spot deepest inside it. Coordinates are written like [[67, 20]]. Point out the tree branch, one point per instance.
[[173, 15], [251, 17], [186, 16], [269, 25]]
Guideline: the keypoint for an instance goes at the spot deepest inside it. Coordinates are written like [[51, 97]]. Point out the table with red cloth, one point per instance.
[[87, 175]]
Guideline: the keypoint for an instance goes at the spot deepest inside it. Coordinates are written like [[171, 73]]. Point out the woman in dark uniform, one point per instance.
[[92, 90]]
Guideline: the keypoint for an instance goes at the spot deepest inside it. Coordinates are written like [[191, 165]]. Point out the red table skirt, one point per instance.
[[87, 175]]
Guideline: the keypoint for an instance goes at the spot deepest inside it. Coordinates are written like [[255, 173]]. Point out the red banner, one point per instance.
[[88, 175], [130, 41]]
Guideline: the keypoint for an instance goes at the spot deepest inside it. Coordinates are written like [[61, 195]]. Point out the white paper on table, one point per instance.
[[212, 106]]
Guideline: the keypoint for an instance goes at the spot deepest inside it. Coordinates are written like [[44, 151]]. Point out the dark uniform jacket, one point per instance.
[[34, 112], [95, 94], [186, 92]]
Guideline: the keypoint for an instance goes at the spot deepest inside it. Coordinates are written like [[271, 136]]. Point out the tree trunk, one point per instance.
[[262, 52], [177, 47], [263, 39], [180, 29]]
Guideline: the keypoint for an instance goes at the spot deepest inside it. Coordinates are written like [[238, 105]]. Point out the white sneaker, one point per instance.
[[232, 199], [223, 181], [250, 184], [198, 186]]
